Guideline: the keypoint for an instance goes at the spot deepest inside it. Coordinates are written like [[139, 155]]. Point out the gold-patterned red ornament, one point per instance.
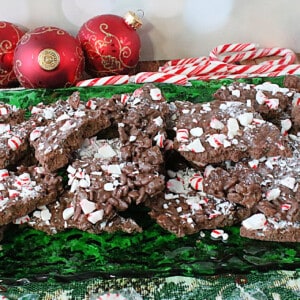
[[48, 57], [10, 34], [111, 44]]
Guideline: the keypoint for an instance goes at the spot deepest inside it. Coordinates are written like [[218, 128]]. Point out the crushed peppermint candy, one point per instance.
[[14, 143], [155, 94], [217, 233], [87, 206], [217, 140], [195, 146], [289, 182], [245, 119], [253, 163], [22, 220], [256, 221], [196, 131], [272, 103], [196, 182], [95, 216], [286, 125], [233, 127], [216, 124], [4, 128], [273, 194], [182, 135], [68, 213], [160, 140]]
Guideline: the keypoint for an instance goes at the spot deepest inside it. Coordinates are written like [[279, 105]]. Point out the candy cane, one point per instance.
[[221, 63], [161, 77], [288, 56], [264, 52], [107, 80], [291, 69], [185, 61], [238, 47], [209, 68], [192, 64], [257, 69]]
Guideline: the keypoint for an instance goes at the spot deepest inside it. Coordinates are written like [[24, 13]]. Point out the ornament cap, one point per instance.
[[48, 59], [133, 20]]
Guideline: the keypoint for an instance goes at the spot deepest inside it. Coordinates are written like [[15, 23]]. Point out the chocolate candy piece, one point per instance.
[[24, 190], [214, 132]]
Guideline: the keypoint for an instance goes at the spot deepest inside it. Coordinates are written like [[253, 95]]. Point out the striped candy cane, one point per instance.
[[107, 80], [228, 48], [161, 77]]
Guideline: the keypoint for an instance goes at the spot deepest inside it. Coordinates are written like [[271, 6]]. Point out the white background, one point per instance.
[[173, 28]]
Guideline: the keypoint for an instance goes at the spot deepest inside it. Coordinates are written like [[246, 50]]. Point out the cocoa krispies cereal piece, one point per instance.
[[24, 190], [270, 100], [259, 227], [10, 114], [85, 215], [292, 82], [14, 143], [185, 209], [55, 142], [218, 131]]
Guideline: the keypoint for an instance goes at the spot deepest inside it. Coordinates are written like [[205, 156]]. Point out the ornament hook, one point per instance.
[[140, 13]]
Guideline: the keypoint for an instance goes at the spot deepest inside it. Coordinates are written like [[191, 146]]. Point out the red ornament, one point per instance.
[[111, 44], [48, 57], [10, 35]]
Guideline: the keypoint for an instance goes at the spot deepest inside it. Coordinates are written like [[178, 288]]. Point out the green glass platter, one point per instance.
[[75, 255]]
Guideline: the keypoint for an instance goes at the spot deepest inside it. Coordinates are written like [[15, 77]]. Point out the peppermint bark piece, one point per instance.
[[101, 184], [277, 215], [281, 186], [23, 191], [14, 143], [62, 215], [214, 132], [185, 209], [117, 180], [10, 114], [143, 124], [268, 99], [55, 142]]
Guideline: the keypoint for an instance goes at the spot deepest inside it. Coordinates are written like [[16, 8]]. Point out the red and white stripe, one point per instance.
[[3, 174], [288, 56], [14, 143], [229, 48], [107, 80], [210, 67], [184, 61], [144, 77], [196, 182], [182, 135]]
